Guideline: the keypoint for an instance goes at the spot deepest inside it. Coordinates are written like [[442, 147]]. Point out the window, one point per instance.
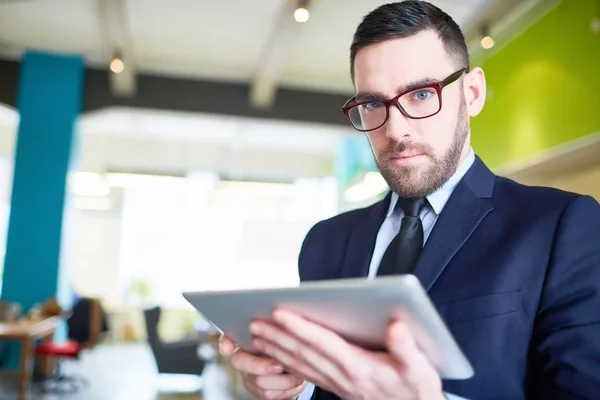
[[200, 233]]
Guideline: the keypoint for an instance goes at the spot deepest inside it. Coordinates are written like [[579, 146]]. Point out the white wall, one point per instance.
[[95, 253]]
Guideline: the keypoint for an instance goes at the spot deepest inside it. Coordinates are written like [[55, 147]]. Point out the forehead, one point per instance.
[[383, 67]]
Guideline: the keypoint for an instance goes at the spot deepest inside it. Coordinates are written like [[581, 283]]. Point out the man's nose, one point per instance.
[[398, 126]]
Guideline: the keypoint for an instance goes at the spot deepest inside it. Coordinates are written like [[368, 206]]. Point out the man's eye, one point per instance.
[[421, 95], [373, 105]]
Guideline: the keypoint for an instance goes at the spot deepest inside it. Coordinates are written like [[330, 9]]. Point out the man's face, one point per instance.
[[415, 156]]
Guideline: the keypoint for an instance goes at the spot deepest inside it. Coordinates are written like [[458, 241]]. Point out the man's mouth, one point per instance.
[[405, 156], [406, 159]]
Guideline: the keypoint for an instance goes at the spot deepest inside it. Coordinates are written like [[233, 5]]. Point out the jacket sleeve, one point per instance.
[[310, 253], [566, 340]]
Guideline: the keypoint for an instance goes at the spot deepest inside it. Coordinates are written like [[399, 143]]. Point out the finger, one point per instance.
[[271, 394], [262, 393], [226, 346], [314, 367], [400, 342], [245, 362], [304, 361], [324, 340], [402, 346], [291, 361], [276, 382]]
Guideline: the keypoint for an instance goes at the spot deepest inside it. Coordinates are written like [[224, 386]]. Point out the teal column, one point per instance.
[[354, 163], [354, 158], [49, 102]]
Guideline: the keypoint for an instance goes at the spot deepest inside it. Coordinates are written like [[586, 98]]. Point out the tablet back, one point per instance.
[[359, 310]]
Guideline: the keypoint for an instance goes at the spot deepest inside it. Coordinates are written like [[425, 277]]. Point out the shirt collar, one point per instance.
[[439, 198]]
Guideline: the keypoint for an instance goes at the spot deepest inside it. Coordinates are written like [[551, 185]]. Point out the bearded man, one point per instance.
[[513, 270]]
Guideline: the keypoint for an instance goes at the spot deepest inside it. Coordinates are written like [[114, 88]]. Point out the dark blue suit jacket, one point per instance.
[[515, 273]]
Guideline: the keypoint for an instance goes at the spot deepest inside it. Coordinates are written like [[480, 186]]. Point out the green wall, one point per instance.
[[543, 87]]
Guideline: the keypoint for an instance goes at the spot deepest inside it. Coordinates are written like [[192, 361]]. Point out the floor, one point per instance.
[[127, 372]]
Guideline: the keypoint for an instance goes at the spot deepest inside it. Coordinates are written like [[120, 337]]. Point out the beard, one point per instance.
[[411, 182]]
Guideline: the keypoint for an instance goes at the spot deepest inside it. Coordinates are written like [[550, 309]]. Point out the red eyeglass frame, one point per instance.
[[438, 86]]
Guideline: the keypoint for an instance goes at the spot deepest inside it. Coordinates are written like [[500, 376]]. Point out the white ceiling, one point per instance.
[[223, 40]]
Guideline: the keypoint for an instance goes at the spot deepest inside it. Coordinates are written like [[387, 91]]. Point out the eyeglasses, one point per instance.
[[417, 103]]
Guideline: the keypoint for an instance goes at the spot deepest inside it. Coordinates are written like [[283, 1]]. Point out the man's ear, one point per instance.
[[475, 91]]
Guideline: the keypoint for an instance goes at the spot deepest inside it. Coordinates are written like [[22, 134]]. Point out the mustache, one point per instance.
[[399, 147]]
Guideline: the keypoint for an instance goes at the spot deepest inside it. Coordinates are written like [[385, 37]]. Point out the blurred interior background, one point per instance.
[[149, 147]]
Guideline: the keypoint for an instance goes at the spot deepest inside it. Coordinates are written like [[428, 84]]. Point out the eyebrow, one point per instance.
[[405, 88]]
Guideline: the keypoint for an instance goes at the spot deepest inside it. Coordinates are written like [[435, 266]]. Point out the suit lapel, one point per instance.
[[362, 241], [466, 208]]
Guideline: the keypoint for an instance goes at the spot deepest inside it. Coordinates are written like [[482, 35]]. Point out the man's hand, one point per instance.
[[263, 377], [322, 357]]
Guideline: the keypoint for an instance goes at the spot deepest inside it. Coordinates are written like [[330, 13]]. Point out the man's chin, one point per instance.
[[407, 181], [409, 172]]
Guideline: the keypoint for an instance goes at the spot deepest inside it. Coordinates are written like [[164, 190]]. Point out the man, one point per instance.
[[513, 270]]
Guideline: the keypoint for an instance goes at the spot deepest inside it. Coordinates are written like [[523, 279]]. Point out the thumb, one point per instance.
[[226, 346], [402, 346], [400, 341]]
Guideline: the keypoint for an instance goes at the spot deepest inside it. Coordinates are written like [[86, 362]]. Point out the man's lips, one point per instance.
[[400, 156], [406, 160]]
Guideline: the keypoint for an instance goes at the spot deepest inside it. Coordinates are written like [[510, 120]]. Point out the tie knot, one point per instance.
[[411, 207]]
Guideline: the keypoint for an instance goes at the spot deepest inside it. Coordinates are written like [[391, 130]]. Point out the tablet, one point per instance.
[[358, 309]]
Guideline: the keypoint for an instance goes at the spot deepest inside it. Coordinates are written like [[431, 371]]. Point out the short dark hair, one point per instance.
[[406, 18]]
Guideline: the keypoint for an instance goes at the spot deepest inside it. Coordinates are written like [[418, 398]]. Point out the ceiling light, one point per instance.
[[487, 42], [301, 13], [117, 65]]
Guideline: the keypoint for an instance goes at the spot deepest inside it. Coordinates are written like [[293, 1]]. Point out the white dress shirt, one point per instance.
[[391, 225]]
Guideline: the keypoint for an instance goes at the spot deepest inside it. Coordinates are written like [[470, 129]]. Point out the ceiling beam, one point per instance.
[[263, 88], [115, 31], [181, 94]]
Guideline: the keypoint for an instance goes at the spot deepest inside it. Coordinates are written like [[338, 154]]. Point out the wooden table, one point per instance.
[[27, 332]]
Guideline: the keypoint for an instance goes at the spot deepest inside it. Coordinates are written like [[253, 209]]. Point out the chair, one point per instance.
[[174, 357], [58, 381], [86, 325]]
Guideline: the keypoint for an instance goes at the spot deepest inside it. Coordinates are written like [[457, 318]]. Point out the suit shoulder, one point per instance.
[[336, 226], [324, 246], [344, 220]]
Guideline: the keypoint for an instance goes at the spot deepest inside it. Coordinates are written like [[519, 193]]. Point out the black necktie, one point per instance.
[[402, 254]]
